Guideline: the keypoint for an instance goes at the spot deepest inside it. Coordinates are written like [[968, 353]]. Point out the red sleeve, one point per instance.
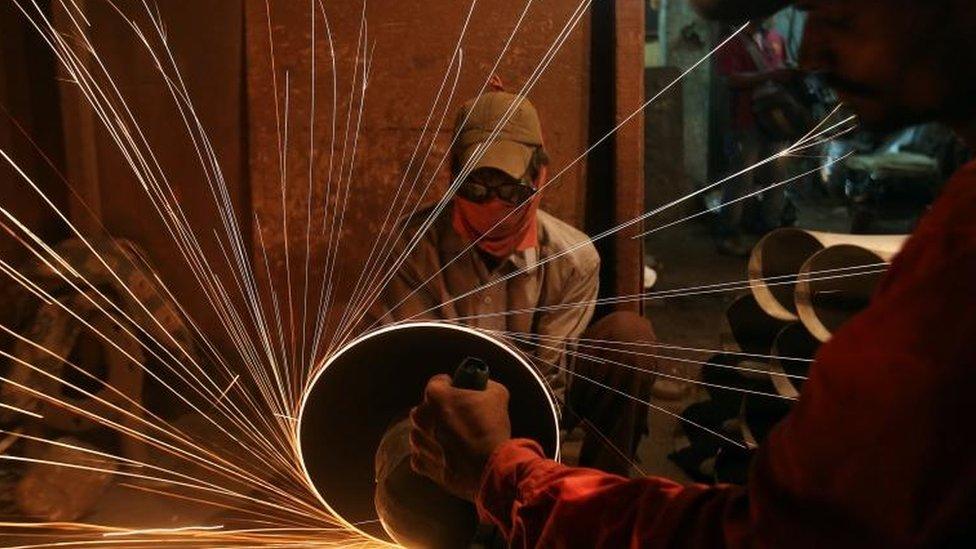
[[882, 443], [879, 452], [540, 503]]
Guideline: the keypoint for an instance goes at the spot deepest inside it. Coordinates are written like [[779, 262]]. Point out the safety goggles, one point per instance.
[[482, 190]]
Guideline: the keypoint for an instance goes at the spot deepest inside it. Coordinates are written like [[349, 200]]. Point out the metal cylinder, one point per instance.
[[752, 328], [792, 352], [778, 259], [350, 431], [835, 284]]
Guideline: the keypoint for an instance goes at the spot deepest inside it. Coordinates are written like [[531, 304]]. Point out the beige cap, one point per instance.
[[512, 148]]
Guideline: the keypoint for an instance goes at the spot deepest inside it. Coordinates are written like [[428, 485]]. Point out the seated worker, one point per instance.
[[880, 450], [503, 189]]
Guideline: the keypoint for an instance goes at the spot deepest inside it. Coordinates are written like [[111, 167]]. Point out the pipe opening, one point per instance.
[[777, 258], [825, 303]]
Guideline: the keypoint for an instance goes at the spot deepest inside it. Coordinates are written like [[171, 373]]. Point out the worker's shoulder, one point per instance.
[[408, 224], [556, 237]]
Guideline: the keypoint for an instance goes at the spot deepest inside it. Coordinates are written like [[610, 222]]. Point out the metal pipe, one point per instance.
[[792, 352], [752, 328], [350, 432], [780, 256], [825, 303]]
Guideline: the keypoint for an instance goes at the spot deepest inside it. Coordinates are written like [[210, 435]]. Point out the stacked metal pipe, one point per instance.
[[804, 286], [820, 279]]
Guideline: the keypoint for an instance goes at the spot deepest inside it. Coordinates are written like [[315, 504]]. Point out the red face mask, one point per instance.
[[518, 232]]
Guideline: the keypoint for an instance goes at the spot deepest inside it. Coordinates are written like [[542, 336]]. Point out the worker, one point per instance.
[[753, 65], [496, 261], [880, 450]]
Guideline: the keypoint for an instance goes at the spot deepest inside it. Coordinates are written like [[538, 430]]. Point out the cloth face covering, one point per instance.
[[518, 232]]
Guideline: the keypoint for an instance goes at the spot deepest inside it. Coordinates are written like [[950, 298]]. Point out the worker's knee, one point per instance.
[[622, 326], [619, 343]]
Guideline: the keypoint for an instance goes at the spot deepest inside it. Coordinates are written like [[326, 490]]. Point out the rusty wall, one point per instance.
[[205, 38], [252, 102], [30, 134], [409, 48], [628, 149], [30, 129]]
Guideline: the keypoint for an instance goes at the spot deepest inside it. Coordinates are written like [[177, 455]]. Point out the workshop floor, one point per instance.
[[685, 257]]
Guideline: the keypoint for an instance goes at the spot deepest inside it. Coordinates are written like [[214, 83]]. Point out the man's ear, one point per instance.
[[542, 177]]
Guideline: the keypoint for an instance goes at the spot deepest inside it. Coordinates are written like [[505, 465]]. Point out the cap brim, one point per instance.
[[508, 156]]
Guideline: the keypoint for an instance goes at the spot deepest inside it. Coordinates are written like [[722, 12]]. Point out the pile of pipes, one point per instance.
[[804, 286]]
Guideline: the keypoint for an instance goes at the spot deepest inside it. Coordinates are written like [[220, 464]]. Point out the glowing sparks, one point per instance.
[[177, 530], [34, 415], [243, 458]]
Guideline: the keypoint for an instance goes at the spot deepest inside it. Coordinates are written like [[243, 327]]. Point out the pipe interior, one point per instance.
[[835, 299], [782, 254]]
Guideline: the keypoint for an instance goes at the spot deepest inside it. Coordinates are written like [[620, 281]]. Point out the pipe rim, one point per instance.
[[310, 386], [807, 310], [759, 271]]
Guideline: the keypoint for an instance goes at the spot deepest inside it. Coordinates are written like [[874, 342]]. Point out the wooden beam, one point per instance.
[[80, 140], [628, 161]]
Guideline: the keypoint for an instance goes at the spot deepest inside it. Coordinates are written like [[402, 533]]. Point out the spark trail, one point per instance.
[[242, 463]]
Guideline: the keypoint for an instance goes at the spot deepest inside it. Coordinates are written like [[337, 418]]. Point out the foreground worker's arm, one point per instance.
[[879, 452]]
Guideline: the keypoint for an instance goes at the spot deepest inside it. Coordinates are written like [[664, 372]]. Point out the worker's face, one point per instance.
[[496, 208], [895, 62]]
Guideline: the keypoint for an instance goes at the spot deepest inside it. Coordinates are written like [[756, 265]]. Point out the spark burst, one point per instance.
[[246, 465]]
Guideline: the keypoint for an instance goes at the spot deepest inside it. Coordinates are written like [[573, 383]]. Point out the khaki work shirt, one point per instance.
[[571, 278]]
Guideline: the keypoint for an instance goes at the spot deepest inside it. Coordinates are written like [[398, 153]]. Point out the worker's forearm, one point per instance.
[[538, 502], [506, 468]]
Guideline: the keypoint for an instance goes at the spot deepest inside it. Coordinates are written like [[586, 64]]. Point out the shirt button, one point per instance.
[[488, 300]]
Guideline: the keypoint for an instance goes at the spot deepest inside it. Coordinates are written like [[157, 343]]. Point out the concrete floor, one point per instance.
[[686, 257]]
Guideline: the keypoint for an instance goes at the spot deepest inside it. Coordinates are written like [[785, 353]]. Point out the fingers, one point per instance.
[[426, 455], [422, 417], [437, 388], [423, 440], [425, 446], [454, 430], [425, 467], [440, 392], [498, 391]]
